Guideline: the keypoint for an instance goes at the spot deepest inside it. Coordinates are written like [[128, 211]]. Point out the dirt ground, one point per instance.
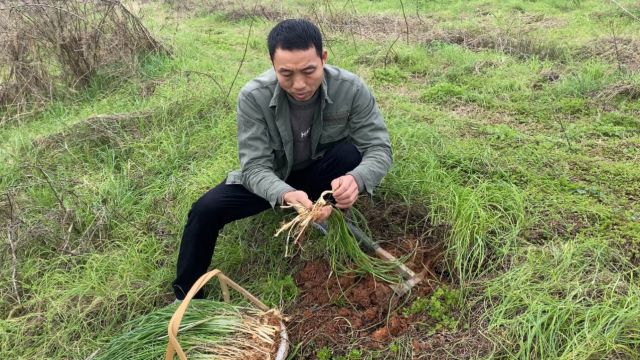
[[346, 312], [335, 310]]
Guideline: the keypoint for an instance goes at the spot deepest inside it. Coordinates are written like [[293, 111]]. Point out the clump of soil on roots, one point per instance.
[[344, 311]]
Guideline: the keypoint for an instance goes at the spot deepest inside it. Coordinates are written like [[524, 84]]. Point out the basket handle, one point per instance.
[[173, 347]]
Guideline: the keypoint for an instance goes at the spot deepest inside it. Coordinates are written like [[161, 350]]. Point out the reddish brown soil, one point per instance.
[[334, 311], [348, 312]]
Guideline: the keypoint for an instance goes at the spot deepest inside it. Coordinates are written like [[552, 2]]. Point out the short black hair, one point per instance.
[[294, 34]]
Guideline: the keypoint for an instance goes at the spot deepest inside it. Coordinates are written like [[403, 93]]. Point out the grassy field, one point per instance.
[[515, 123]]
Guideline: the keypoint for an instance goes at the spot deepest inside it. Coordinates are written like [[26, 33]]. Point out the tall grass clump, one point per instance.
[[570, 300], [484, 216]]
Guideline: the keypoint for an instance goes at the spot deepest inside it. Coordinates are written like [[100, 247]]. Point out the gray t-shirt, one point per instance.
[[302, 113]]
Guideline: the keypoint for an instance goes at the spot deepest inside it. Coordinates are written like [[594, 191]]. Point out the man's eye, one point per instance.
[[310, 72]]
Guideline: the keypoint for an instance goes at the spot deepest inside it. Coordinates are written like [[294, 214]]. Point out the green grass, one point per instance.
[[522, 142], [577, 299]]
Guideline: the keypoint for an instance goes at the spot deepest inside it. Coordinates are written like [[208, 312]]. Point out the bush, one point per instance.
[[48, 45]]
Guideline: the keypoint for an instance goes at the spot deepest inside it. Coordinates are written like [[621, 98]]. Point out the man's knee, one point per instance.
[[207, 207], [347, 155]]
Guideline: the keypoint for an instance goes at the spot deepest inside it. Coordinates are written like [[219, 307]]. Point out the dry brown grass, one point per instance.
[[48, 45], [114, 130], [623, 51], [628, 90], [512, 42]]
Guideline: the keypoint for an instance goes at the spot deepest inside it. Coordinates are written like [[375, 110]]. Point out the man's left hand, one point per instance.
[[345, 191]]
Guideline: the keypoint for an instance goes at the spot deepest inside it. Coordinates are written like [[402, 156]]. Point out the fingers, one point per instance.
[[304, 201], [345, 191], [324, 214], [349, 192], [347, 203], [342, 185], [298, 197], [337, 186]]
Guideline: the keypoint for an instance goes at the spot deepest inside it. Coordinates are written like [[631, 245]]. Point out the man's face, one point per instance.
[[299, 72]]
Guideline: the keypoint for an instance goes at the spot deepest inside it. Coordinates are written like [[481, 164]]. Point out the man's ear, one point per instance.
[[324, 57]]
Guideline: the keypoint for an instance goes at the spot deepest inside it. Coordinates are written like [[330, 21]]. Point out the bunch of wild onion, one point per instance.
[[346, 256], [209, 329], [298, 225]]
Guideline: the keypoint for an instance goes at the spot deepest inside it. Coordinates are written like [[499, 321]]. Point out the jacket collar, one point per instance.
[[279, 93]]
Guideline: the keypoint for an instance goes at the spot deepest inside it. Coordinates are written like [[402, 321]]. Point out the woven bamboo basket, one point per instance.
[[173, 346]]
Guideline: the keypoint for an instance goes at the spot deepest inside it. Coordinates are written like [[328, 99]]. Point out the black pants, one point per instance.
[[226, 203]]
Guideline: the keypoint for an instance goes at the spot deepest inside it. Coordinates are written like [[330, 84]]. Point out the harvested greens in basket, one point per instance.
[[209, 330]]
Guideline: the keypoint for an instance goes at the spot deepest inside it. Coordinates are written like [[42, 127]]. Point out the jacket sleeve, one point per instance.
[[256, 156], [369, 134]]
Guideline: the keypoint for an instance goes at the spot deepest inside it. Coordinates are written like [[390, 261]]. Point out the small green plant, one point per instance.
[[394, 348], [439, 307], [324, 353], [443, 92], [390, 75], [273, 290], [354, 354], [442, 304], [418, 306], [573, 106]]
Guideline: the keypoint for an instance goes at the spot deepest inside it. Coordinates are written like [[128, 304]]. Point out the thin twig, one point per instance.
[[14, 263], [246, 47], [418, 13], [625, 10], [615, 44], [353, 36], [187, 72], [48, 180], [389, 50], [12, 246], [564, 132], [327, 42], [406, 23]]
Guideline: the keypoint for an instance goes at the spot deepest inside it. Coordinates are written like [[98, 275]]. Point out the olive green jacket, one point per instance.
[[265, 141]]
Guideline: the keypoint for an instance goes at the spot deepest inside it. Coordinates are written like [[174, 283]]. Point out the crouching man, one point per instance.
[[303, 127]]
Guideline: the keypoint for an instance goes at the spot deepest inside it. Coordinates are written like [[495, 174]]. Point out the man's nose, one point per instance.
[[298, 83]]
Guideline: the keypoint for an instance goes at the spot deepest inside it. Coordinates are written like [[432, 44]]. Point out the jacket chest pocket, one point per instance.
[[277, 151], [334, 127], [275, 140]]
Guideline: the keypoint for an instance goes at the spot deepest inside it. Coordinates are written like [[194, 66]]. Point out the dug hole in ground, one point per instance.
[[339, 313]]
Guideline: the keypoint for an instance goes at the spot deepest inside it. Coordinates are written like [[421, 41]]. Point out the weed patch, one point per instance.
[[570, 291], [621, 51], [114, 131], [519, 45]]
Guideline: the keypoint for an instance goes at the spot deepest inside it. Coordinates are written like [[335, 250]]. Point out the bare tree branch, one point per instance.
[[406, 22], [625, 10], [244, 55], [12, 246], [389, 50]]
